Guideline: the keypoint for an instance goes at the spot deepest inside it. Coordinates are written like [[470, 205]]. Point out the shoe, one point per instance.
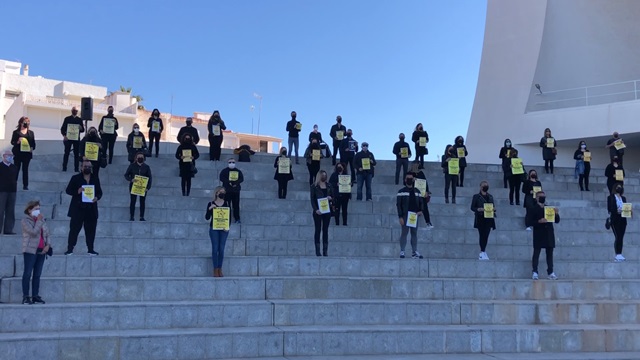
[[401, 254], [517, 203], [619, 258], [483, 256], [131, 219], [37, 300], [552, 276], [25, 188], [417, 255], [510, 202], [9, 233], [93, 253], [369, 200], [142, 219], [345, 224], [587, 189], [69, 252], [27, 301], [64, 169], [238, 222], [216, 272], [529, 228], [535, 276], [429, 226], [446, 200], [453, 201]]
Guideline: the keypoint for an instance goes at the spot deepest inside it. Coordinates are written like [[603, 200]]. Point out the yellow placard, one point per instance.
[[626, 210], [298, 126], [155, 126], [461, 153], [550, 213], [216, 130], [619, 144], [344, 184], [88, 193], [315, 155], [233, 176], [187, 156], [412, 219], [551, 142], [91, 150], [422, 141], [24, 145], [323, 205], [404, 152], [109, 126], [139, 185], [421, 184], [339, 135], [619, 175], [536, 189], [586, 156], [516, 166], [366, 164], [73, 132], [221, 216], [508, 153], [454, 166], [284, 165], [137, 142], [488, 211]]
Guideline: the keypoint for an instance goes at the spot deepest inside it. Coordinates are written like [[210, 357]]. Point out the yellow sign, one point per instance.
[[461, 152], [619, 144], [221, 216], [24, 145], [315, 155], [137, 142], [404, 152], [454, 166], [619, 175], [422, 141], [323, 205], [366, 164], [109, 126], [508, 153], [339, 135], [284, 165], [155, 126], [344, 184], [88, 193], [298, 126], [551, 142], [412, 219], [488, 211], [91, 150], [233, 176], [536, 189], [626, 210], [73, 132], [587, 156], [187, 156], [421, 184], [139, 185], [216, 130], [550, 213], [516, 166]]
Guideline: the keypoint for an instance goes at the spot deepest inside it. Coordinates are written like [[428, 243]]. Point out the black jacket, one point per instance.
[[543, 234], [317, 136], [317, 193], [279, 176], [209, 213], [445, 164], [101, 152], [71, 120], [16, 142], [344, 148], [357, 162], [548, 153], [76, 206], [150, 124], [191, 131], [610, 173], [186, 167], [399, 145], [8, 177], [415, 137], [478, 202], [291, 128], [231, 186], [214, 122], [244, 153], [612, 208], [335, 128], [115, 132], [335, 187], [130, 149], [308, 155], [527, 188], [505, 155], [402, 201], [613, 152], [138, 169]]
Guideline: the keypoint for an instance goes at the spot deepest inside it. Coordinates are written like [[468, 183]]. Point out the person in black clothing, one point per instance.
[[450, 181], [83, 210], [187, 163], [515, 180], [409, 199], [543, 235], [75, 121], [313, 165], [138, 168], [482, 223], [348, 150], [426, 196], [460, 151], [548, 152], [155, 129], [315, 134], [293, 128], [402, 151], [337, 133], [244, 153], [420, 139], [321, 190], [583, 165], [529, 195], [215, 126], [136, 143], [364, 176], [505, 154], [189, 129], [100, 161], [109, 132], [618, 223], [610, 173], [284, 177], [231, 178], [8, 189], [340, 199], [24, 143], [611, 145]]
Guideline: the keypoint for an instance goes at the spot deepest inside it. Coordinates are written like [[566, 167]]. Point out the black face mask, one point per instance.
[[340, 169], [409, 182], [542, 199], [74, 113], [340, 121], [323, 178], [25, 125], [187, 141], [534, 176], [189, 123], [619, 190], [420, 128], [110, 112], [349, 134], [401, 138], [485, 188], [140, 160], [93, 135], [86, 171], [221, 196]]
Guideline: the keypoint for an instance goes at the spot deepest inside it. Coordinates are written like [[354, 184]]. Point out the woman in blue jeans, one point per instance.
[[218, 237], [35, 245]]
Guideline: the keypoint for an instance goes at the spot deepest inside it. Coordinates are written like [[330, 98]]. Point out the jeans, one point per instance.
[[536, 258], [218, 241], [7, 211], [364, 178], [293, 141], [414, 237], [404, 164], [32, 264], [76, 154]]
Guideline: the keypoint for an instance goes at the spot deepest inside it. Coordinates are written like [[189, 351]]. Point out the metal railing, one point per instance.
[[586, 96], [56, 101]]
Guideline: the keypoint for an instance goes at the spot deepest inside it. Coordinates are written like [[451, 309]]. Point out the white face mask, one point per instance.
[[35, 213], [232, 165], [136, 131]]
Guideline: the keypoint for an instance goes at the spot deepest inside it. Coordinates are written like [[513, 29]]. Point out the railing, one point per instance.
[[56, 101], [586, 96]]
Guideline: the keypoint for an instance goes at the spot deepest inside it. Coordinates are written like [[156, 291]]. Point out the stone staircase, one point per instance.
[[150, 294]]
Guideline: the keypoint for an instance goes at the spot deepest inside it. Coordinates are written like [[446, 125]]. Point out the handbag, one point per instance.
[[607, 223], [194, 170]]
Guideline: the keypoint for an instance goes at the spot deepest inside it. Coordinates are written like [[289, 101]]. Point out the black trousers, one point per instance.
[[89, 221], [321, 223], [583, 179], [234, 198], [419, 158], [215, 145], [22, 162], [404, 164], [76, 154], [425, 211], [514, 188], [7, 211], [619, 228], [313, 168], [282, 188], [548, 165], [342, 204], [154, 136], [108, 142], [483, 237], [336, 146], [132, 205], [186, 185], [349, 160], [450, 181], [536, 258], [461, 177]]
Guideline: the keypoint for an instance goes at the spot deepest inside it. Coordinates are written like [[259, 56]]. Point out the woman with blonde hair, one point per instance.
[[35, 245], [218, 236], [321, 194]]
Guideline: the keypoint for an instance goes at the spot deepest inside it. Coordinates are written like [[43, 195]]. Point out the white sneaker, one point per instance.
[[535, 276], [429, 226], [552, 276], [483, 256], [401, 254], [529, 228], [619, 258]]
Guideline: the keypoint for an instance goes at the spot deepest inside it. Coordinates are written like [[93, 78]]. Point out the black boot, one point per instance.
[[324, 249], [318, 249]]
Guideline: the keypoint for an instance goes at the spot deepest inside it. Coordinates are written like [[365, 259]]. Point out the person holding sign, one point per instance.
[[71, 129], [409, 206], [337, 133], [92, 150], [24, 143], [450, 169], [284, 172], [420, 183], [582, 156], [348, 150], [313, 154], [321, 198], [138, 175], [483, 206], [293, 128], [340, 183], [220, 221], [517, 171], [549, 151], [108, 131], [460, 152], [85, 191], [155, 129], [216, 127], [420, 138], [616, 147], [542, 218], [365, 162], [402, 151], [231, 178], [505, 155], [187, 153], [530, 187], [135, 143], [616, 205], [614, 173]]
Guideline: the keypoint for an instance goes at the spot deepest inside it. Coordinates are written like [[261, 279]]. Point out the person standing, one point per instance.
[[337, 133], [283, 177], [611, 171], [450, 180], [293, 128], [460, 151], [189, 129], [231, 178], [515, 180], [365, 162], [156, 127], [138, 168], [8, 189], [136, 143], [613, 151], [218, 237], [320, 192], [340, 199], [244, 153], [528, 187], [420, 139], [71, 129], [348, 150], [315, 134], [24, 143], [484, 221], [313, 155], [505, 155], [549, 151], [618, 222], [97, 158], [402, 151], [85, 191], [108, 129], [187, 153], [426, 196], [409, 203], [543, 235], [583, 165], [36, 243], [216, 127]]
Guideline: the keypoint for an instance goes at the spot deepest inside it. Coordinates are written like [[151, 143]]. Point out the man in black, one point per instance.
[[108, 132], [293, 128], [348, 150], [74, 121], [409, 202], [189, 129], [402, 151], [337, 133], [365, 171], [613, 152], [231, 178], [8, 189], [543, 235], [85, 191]]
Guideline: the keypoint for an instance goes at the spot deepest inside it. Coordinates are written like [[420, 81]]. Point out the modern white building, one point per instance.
[[583, 54]]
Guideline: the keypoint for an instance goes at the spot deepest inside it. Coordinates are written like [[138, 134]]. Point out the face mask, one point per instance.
[[323, 178], [401, 138], [619, 190], [615, 164], [283, 152], [349, 134], [508, 144], [189, 123], [110, 112], [615, 136], [583, 146], [86, 171], [315, 129], [140, 160], [460, 142], [221, 196], [92, 134], [155, 115], [534, 176], [542, 199], [485, 188], [35, 213], [365, 148], [25, 125], [293, 116], [409, 182], [74, 113], [9, 159], [136, 131], [339, 121], [315, 145], [232, 165], [420, 128], [187, 140], [340, 169]]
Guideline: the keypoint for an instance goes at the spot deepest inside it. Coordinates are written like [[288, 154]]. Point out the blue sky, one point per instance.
[[383, 66]]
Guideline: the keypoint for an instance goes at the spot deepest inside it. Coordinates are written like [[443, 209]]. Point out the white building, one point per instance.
[[583, 55]]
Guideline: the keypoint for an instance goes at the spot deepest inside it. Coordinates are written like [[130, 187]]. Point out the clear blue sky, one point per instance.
[[383, 65]]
